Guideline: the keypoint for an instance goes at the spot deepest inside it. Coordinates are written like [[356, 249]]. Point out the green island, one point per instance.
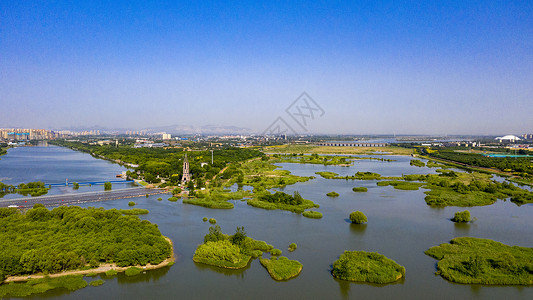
[[483, 261], [97, 282], [356, 176], [400, 185], [332, 194], [230, 252], [70, 238], [462, 217], [131, 203], [134, 211], [360, 189], [281, 268], [297, 149], [292, 247], [361, 266], [283, 201], [357, 217], [312, 214]]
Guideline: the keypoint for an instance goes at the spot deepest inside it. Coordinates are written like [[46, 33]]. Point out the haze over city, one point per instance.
[[373, 67]]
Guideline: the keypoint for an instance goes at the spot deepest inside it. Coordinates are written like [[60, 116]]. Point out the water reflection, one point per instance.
[[145, 276], [358, 229], [228, 272], [462, 229]]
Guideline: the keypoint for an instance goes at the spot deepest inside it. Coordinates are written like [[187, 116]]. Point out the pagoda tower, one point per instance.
[[186, 173]]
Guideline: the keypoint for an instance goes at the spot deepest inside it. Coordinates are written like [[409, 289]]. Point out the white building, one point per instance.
[[508, 138], [167, 136]]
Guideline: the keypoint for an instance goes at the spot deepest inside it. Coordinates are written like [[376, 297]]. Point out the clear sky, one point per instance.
[[416, 67]]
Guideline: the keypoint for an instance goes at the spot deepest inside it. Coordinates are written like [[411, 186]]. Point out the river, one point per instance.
[[400, 226]]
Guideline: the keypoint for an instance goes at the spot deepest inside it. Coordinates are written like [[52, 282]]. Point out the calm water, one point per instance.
[[54, 164], [401, 226]]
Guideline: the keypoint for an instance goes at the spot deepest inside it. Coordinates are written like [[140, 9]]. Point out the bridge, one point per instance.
[[67, 183], [76, 198]]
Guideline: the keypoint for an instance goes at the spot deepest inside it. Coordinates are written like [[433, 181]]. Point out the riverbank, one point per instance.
[[101, 269]]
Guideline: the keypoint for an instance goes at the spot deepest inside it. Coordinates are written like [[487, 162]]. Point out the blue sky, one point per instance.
[[447, 67]]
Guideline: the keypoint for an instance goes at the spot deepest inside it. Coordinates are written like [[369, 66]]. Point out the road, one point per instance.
[[74, 198]]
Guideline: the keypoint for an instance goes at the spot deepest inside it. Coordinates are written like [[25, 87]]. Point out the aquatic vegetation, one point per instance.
[[134, 211], [275, 252], [312, 214], [283, 201], [173, 199], [205, 219], [221, 254], [462, 216], [364, 266], [41, 285], [131, 203], [358, 217], [212, 221], [360, 189], [281, 268], [401, 185], [417, 163], [209, 203], [292, 247], [483, 261], [132, 271], [332, 194], [98, 282], [111, 272], [327, 175]]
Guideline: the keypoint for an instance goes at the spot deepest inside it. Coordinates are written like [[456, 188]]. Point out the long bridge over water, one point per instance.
[[53, 200]]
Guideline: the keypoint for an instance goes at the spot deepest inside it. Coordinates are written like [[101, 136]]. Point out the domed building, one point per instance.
[[508, 139]]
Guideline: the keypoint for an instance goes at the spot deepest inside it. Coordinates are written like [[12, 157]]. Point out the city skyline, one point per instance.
[[373, 67]]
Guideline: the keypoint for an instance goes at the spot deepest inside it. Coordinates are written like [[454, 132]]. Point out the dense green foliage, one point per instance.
[[356, 176], [131, 203], [167, 163], [332, 194], [281, 268], [417, 163], [111, 272], [226, 251], [38, 286], [134, 211], [276, 252], [107, 186], [360, 189], [173, 199], [212, 221], [364, 266], [312, 214], [483, 261], [70, 237], [462, 216], [358, 217], [292, 247]]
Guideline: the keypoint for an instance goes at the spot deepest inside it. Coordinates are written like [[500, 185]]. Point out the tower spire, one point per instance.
[[186, 173]]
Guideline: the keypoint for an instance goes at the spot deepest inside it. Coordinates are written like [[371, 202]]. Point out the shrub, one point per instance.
[[332, 194], [221, 254], [212, 221], [312, 214], [292, 247], [75, 185], [111, 272], [159, 199], [462, 216], [132, 271], [176, 191], [134, 211], [358, 217], [131, 203], [205, 219], [275, 252], [360, 189], [172, 199], [107, 186]]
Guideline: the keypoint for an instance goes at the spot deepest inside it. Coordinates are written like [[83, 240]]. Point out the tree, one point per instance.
[[358, 217], [75, 185], [239, 236], [107, 186]]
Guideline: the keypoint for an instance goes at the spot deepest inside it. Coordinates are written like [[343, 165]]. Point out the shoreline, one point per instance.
[[101, 269]]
